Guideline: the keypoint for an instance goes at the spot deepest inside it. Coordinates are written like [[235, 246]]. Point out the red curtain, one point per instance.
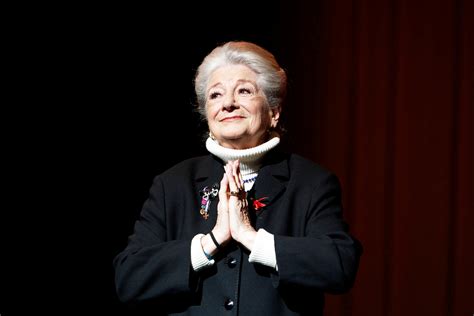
[[383, 96]]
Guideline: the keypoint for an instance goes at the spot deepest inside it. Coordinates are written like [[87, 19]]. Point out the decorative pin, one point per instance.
[[258, 204], [207, 194]]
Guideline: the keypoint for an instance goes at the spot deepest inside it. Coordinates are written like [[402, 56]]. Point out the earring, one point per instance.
[[211, 136]]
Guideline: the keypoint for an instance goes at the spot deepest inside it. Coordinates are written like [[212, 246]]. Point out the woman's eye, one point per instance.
[[214, 95], [244, 91]]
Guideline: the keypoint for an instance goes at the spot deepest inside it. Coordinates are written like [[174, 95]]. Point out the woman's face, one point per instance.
[[237, 111]]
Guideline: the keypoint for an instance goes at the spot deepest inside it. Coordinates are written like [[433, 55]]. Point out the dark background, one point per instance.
[[100, 100]]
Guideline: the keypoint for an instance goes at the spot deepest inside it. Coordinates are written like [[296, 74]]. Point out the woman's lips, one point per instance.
[[232, 118]]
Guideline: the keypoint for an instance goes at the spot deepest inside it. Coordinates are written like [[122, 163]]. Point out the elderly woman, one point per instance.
[[248, 229]]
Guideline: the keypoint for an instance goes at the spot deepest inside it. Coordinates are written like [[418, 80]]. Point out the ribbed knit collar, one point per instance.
[[250, 159]]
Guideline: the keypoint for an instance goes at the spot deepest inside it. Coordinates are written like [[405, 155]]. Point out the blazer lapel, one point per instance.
[[271, 182]]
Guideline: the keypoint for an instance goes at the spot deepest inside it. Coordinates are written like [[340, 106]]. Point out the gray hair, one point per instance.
[[271, 77]]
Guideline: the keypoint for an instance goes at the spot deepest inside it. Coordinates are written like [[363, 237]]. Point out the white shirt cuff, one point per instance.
[[263, 251], [199, 260]]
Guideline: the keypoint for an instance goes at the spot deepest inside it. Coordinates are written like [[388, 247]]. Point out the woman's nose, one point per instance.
[[228, 103]]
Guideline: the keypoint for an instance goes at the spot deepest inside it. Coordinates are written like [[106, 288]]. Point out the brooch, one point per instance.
[[258, 204], [207, 194]]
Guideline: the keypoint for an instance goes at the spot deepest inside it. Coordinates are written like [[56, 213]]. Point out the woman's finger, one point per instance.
[[241, 180], [224, 188], [234, 174], [235, 169], [230, 176], [238, 175]]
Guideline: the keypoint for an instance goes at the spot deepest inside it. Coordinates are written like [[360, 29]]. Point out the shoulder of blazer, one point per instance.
[[302, 164], [195, 168], [306, 171]]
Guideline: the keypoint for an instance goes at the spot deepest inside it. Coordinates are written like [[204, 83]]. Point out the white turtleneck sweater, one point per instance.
[[250, 159], [263, 251]]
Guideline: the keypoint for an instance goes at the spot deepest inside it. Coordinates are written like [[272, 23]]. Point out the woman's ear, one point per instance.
[[275, 116]]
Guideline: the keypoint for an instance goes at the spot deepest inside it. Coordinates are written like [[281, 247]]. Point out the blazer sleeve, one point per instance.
[[326, 258], [152, 267]]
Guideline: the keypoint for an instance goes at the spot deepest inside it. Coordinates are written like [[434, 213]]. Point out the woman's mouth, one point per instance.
[[232, 118]]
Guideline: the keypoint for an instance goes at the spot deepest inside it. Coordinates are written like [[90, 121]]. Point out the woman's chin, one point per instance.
[[233, 142], [234, 136]]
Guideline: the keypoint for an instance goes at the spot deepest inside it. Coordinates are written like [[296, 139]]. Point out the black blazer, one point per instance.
[[314, 251]]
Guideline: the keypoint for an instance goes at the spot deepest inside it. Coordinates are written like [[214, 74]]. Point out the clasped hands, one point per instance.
[[233, 220]]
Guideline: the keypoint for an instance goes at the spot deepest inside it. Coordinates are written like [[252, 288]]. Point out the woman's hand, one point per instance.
[[241, 229], [233, 220], [221, 230]]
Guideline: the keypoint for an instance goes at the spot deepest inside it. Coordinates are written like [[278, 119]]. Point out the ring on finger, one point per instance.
[[240, 194]]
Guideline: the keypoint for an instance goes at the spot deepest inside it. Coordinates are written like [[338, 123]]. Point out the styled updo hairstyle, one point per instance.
[[271, 77]]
